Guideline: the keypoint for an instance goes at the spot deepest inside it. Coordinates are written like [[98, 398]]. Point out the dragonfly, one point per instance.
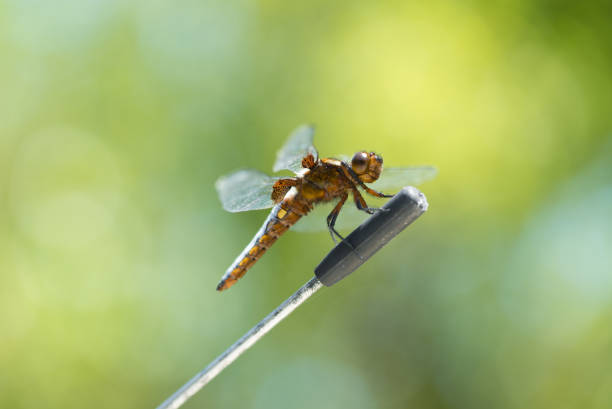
[[315, 181]]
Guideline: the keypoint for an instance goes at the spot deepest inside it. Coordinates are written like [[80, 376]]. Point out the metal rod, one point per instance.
[[222, 361], [405, 207], [371, 235]]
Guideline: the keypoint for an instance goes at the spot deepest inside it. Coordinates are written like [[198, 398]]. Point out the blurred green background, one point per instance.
[[117, 117]]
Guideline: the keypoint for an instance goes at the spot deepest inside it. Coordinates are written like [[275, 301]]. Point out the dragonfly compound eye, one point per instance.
[[360, 162]]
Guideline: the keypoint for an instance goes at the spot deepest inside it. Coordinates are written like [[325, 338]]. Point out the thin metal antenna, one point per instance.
[[348, 255], [215, 367]]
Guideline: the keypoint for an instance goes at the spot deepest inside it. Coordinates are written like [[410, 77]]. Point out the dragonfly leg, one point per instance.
[[333, 232], [374, 192], [281, 187], [331, 221], [361, 203], [348, 172], [331, 218]]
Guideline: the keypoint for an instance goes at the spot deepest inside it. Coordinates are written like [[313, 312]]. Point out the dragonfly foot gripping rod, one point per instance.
[[404, 208]]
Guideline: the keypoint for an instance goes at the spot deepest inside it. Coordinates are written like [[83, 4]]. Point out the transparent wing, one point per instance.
[[348, 219], [297, 146], [393, 179], [245, 190], [342, 157]]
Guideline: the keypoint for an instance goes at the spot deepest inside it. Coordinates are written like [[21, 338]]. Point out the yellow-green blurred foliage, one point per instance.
[[116, 117]]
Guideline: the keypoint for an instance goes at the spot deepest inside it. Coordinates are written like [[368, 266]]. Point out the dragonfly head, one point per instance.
[[367, 166]]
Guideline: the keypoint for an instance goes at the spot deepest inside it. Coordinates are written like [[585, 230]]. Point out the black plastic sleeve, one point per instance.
[[401, 210]]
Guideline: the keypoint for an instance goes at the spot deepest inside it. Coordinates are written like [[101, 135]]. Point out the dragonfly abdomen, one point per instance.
[[281, 218]]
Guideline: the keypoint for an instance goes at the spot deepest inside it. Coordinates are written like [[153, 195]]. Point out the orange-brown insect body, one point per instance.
[[325, 180]]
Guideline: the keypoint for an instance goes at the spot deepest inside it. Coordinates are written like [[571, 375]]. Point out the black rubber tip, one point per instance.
[[404, 208]]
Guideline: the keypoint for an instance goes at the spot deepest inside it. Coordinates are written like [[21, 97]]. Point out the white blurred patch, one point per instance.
[[560, 277], [65, 188], [185, 43], [310, 383], [45, 26]]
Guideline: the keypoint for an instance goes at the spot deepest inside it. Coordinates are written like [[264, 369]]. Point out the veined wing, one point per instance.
[[396, 178], [245, 190], [348, 219], [393, 179], [297, 146]]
